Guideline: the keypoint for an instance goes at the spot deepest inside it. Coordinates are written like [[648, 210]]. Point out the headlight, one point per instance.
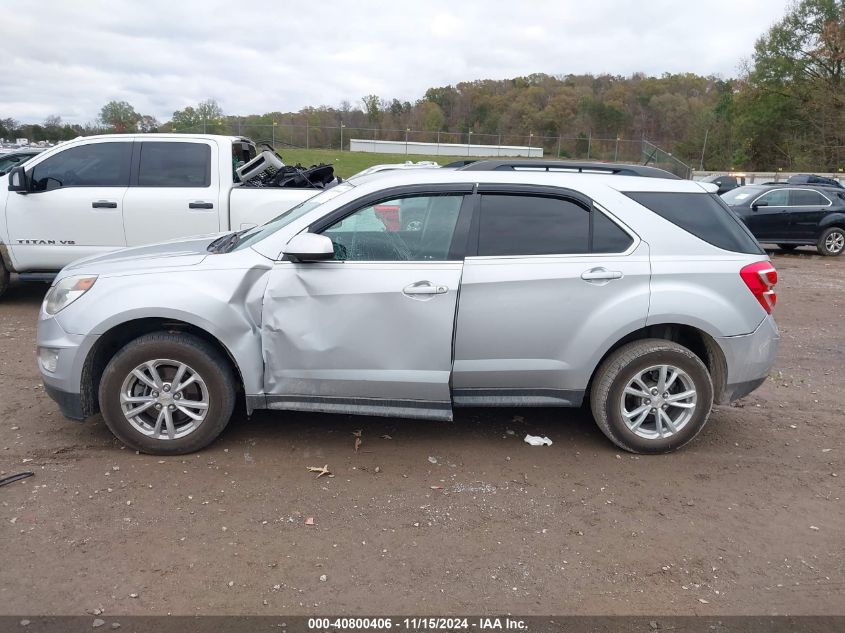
[[66, 291]]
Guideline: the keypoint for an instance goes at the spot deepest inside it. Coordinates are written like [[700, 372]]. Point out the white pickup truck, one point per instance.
[[101, 193]]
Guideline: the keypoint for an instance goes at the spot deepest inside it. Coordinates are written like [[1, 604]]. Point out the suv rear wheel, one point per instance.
[[167, 394], [832, 242], [651, 396]]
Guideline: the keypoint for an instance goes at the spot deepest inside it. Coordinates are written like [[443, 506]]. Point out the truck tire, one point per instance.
[[832, 242], [651, 396], [4, 278], [167, 393]]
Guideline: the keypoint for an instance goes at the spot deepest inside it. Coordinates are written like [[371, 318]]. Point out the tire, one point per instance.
[[4, 278], [211, 394], [832, 242], [617, 372], [787, 247]]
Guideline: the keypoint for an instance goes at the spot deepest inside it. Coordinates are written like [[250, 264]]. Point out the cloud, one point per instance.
[[71, 58]]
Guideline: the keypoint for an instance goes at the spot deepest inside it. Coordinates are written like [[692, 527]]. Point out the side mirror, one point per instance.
[[760, 203], [18, 180], [309, 247]]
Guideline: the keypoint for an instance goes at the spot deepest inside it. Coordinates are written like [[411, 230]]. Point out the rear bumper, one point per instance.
[[749, 359]]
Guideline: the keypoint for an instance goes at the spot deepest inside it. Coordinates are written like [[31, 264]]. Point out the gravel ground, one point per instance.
[[433, 518]]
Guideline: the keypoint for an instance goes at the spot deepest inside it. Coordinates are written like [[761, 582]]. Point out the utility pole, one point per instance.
[[703, 148], [341, 135], [274, 134], [407, 129]]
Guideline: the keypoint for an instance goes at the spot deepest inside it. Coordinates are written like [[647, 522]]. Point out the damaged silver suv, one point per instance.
[[413, 293]]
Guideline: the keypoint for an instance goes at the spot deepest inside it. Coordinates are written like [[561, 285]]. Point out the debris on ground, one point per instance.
[[433, 460], [323, 578], [386, 437], [358, 441], [320, 471], [309, 521], [537, 440]]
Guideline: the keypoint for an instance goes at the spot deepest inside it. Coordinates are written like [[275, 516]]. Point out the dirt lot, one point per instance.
[[747, 520]]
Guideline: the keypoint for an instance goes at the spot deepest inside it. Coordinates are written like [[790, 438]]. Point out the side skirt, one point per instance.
[[360, 406], [517, 398]]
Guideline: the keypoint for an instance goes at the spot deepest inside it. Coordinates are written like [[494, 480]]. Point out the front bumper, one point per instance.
[[749, 359], [64, 383]]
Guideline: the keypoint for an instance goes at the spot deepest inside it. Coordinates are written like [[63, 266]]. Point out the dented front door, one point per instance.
[[361, 337]]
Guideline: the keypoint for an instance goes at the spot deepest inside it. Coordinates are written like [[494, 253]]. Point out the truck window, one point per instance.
[[92, 165], [174, 165]]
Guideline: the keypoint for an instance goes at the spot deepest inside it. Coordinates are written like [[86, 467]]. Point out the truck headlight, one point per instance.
[[66, 291]]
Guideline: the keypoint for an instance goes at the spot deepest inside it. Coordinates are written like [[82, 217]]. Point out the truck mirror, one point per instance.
[[17, 180]]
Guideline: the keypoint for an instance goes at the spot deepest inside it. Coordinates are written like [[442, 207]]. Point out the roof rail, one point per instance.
[[587, 167]]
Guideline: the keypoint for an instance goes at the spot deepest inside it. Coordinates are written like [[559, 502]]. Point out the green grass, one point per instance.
[[347, 164]]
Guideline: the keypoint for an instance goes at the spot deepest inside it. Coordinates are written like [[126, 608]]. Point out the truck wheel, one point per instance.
[[651, 396], [4, 278], [167, 394], [832, 242]]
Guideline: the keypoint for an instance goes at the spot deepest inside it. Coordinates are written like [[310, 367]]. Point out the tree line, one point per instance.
[[785, 110]]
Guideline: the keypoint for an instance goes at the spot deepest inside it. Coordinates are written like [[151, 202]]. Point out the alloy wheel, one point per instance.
[[658, 402], [164, 399]]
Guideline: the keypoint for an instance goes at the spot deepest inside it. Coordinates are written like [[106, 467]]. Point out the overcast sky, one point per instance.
[[69, 58]]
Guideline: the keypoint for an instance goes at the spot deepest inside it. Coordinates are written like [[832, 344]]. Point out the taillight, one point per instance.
[[761, 278]]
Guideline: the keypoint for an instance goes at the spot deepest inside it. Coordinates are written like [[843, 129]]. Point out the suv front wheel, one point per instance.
[[167, 393], [651, 396]]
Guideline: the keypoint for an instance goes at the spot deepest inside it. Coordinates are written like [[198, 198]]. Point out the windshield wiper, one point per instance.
[[225, 244]]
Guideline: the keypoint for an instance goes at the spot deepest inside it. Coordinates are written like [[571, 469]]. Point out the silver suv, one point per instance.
[[644, 297]]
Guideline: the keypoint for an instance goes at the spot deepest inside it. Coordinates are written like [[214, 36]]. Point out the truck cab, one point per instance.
[[97, 194]]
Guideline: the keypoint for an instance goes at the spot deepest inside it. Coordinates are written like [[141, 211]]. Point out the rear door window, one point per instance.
[[514, 224], [703, 215], [174, 165], [532, 225], [807, 198]]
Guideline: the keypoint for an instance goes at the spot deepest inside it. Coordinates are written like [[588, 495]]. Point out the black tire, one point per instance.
[[619, 369], [832, 242], [202, 357], [787, 247], [4, 278]]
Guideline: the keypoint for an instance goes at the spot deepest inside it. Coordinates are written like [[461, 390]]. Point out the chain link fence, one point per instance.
[[583, 146]]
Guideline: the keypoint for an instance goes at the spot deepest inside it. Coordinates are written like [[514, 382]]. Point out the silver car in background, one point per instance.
[[646, 298]]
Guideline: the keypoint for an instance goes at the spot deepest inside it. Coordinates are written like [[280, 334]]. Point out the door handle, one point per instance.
[[199, 204], [600, 274], [424, 288], [104, 204]]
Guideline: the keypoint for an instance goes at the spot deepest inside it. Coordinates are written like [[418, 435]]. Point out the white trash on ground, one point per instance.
[[536, 440]]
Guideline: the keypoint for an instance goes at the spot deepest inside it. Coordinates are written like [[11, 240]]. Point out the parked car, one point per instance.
[[15, 158], [813, 179], [725, 182], [100, 193], [793, 215], [644, 297]]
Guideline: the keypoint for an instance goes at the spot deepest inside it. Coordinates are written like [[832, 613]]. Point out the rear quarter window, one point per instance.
[[703, 215]]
